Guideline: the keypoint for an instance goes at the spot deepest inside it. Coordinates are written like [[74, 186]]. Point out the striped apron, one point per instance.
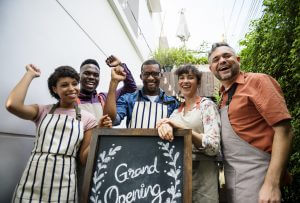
[[146, 114], [245, 166], [50, 174], [94, 108]]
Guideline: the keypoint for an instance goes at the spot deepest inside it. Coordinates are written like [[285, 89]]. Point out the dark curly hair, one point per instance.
[[90, 61], [186, 69], [61, 72]]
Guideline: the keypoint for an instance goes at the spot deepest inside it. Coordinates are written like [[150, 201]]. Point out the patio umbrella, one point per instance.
[[182, 31]]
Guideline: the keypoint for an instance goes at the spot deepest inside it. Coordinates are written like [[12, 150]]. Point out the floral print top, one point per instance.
[[203, 118]]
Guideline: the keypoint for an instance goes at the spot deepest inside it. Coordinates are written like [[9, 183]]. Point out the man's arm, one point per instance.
[[129, 83], [110, 107], [270, 190], [117, 75]]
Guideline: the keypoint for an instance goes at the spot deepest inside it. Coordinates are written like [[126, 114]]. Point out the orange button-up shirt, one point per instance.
[[256, 105]]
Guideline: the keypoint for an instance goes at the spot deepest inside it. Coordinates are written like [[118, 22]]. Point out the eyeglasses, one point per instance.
[[154, 74]]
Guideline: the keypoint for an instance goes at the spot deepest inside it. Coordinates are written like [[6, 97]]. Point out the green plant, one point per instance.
[[217, 96], [177, 56], [273, 47]]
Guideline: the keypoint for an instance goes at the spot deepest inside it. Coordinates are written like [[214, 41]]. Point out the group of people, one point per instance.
[[250, 127]]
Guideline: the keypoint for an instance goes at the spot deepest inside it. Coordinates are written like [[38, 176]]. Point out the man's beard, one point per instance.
[[233, 72]]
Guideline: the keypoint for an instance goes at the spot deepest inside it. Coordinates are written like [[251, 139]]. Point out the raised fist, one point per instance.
[[36, 72], [112, 61]]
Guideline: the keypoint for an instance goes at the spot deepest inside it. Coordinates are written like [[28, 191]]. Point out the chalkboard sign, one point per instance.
[[135, 165]]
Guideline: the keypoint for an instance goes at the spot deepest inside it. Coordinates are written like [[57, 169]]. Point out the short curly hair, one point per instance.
[[186, 69], [150, 62], [61, 72], [90, 61]]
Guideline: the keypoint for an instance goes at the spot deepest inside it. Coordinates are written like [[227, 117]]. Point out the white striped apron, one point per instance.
[[146, 114], [50, 174], [94, 108]]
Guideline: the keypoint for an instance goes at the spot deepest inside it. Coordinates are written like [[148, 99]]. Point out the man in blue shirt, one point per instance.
[[143, 108]]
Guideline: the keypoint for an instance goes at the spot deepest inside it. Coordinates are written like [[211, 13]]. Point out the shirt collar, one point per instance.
[[161, 94], [83, 96], [197, 104], [240, 80]]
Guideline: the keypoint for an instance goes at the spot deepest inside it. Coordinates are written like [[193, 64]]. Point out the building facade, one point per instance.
[[64, 32]]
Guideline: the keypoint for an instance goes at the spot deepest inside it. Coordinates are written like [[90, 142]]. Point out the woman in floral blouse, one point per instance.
[[201, 115]]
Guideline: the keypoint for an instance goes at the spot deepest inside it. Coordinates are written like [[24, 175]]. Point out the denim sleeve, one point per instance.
[[172, 107], [117, 120], [122, 109]]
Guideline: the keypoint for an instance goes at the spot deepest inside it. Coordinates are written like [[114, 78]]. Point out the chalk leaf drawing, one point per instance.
[[105, 158], [100, 171], [173, 172]]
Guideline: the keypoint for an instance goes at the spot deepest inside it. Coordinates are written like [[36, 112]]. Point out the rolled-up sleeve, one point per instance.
[[122, 109], [272, 105]]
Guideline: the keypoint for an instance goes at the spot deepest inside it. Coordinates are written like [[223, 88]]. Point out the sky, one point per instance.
[[210, 20]]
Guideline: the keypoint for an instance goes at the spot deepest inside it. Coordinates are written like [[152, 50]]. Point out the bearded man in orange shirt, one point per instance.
[[256, 130]]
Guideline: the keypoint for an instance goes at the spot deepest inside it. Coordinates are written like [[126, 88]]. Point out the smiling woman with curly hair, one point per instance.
[[62, 132]]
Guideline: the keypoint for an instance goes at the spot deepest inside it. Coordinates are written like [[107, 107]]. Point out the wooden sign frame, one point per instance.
[[94, 150]]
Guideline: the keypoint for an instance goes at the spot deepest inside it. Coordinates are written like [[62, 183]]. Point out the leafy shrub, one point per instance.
[[273, 47], [177, 56]]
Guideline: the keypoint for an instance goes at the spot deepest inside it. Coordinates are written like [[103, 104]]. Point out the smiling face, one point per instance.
[[89, 78], [224, 64], [67, 89], [151, 78], [188, 84]]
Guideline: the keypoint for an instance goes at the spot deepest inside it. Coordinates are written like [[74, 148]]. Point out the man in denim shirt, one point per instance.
[[144, 107]]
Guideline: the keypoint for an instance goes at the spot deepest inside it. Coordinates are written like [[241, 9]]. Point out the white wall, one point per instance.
[[40, 32], [138, 24]]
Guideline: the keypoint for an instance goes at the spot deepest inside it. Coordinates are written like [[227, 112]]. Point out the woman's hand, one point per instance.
[[15, 101], [161, 121], [105, 122], [174, 124], [33, 70], [165, 132]]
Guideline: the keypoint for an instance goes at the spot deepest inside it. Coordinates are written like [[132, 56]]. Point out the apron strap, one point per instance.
[[77, 110], [53, 108], [231, 92]]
